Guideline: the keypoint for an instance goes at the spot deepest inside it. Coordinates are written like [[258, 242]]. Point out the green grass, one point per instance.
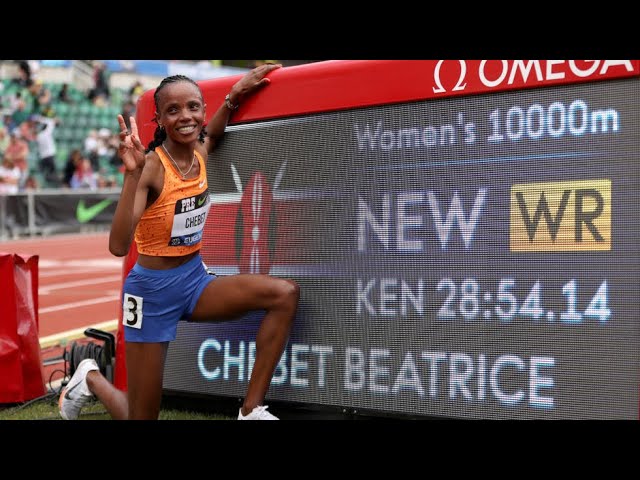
[[46, 408]]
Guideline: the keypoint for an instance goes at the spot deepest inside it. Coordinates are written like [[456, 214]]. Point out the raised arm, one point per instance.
[[240, 91], [133, 198]]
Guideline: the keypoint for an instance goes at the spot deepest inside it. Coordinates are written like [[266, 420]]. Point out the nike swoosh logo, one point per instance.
[[201, 184], [66, 395], [201, 201], [86, 214]]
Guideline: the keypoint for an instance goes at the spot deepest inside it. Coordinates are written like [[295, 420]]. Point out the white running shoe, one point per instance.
[[76, 394], [258, 413]]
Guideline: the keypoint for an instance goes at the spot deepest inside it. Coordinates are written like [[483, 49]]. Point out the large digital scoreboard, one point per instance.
[[465, 235]]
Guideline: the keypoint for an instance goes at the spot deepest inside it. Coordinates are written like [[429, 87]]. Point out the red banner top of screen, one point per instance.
[[347, 84]]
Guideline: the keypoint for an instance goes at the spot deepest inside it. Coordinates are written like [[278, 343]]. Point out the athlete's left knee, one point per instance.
[[288, 292]]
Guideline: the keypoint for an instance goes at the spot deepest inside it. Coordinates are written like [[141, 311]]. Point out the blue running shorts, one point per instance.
[[154, 300]]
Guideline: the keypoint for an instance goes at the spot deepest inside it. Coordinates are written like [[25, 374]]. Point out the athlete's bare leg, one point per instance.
[[230, 297]]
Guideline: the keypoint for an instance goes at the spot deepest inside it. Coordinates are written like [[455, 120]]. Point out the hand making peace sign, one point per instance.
[[130, 150]]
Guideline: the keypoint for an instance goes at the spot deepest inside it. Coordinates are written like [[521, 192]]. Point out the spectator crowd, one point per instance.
[[36, 149]]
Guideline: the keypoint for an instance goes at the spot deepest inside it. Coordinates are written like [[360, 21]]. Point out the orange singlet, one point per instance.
[[172, 226]]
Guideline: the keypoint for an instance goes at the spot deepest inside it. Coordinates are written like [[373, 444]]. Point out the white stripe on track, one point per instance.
[[78, 283], [63, 337], [74, 271], [82, 262], [84, 303]]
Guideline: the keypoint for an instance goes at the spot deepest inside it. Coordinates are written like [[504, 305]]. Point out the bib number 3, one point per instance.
[[132, 311]]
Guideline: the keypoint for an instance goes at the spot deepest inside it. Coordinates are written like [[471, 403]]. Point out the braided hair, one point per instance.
[[160, 134]]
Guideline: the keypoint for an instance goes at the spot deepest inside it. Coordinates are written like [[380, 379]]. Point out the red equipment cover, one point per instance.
[[21, 369]]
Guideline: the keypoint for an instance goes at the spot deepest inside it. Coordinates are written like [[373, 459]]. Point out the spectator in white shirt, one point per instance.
[[9, 177], [43, 129]]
